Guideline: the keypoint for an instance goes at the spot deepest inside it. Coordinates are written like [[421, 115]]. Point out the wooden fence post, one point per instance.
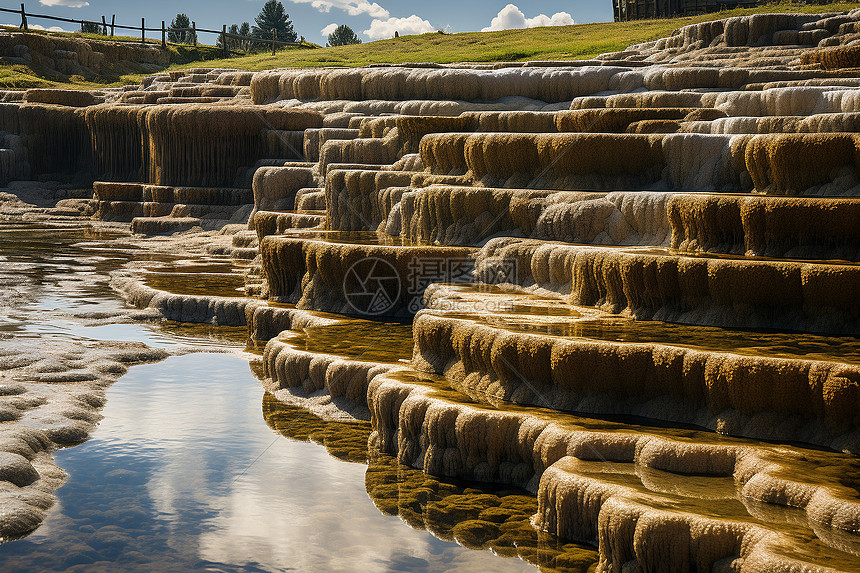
[[142, 31], [104, 26], [23, 17], [194, 33], [224, 40], [112, 24], [163, 36], [274, 35]]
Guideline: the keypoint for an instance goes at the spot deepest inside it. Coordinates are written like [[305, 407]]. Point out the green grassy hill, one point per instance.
[[581, 41], [24, 76], [578, 42]]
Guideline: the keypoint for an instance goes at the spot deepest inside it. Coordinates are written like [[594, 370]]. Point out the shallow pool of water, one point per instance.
[[535, 314], [184, 474]]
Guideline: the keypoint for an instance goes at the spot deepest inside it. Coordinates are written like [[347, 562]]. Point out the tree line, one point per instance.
[[272, 22]]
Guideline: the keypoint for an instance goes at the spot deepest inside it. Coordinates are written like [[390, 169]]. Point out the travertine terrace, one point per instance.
[[632, 282]]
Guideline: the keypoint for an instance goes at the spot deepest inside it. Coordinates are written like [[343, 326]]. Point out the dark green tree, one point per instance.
[[273, 17], [343, 35], [177, 33], [91, 28], [245, 30], [246, 44], [233, 43]]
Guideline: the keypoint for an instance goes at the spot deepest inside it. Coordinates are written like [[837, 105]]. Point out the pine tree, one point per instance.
[[273, 17], [233, 43], [245, 30], [236, 43], [176, 33], [91, 28], [343, 36]]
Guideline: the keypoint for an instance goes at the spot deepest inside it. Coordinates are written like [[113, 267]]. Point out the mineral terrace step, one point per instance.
[[163, 225], [108, 191], [779, 227], [315, 138], [186, 100], [275, 188], [498, 346], [125, 211], [709, 289], [198, 195], [791, 164], [807, 228], [244, 253], [355, 275], [310, 199], [245, 239], [277, 222], [582, 468]]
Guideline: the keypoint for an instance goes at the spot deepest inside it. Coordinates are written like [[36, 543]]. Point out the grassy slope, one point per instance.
[[19, 76], [581, 41]]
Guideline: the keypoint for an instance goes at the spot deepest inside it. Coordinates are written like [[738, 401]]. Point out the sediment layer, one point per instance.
[[659, 285], [423, 426], [327, 275], [792, 227], [766, 398]]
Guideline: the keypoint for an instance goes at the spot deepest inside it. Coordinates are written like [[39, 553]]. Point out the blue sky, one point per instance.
[[370, 19]]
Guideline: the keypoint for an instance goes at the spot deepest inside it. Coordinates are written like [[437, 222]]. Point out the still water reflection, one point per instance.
[[184, 474]]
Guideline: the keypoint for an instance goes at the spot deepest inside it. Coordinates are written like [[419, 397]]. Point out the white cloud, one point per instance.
[[328, 30], [51, 29], [351, 7], [511, 18], [557, 19], [381, 29], [66, 3]]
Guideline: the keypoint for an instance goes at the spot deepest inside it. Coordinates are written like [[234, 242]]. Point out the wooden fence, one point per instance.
[[223, 35]]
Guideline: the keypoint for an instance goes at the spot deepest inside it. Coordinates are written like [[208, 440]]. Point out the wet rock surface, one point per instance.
[[57, 357]]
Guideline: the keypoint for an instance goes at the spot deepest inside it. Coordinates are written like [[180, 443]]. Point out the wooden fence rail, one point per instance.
[[194, 30]]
